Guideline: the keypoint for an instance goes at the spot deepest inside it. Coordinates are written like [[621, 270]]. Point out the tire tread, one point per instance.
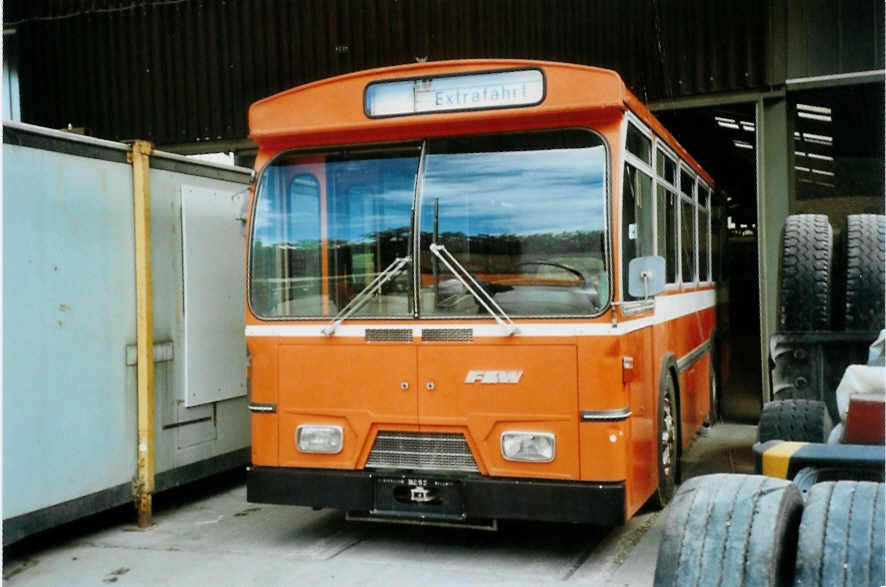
[[728, 526], [865, 272], [799, 420], [805, 277], [841, 539]]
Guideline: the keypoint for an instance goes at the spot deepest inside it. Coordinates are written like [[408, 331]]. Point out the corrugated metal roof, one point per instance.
[[180, 71]]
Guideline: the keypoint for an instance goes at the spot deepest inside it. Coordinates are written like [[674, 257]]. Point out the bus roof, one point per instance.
[[331, 111]]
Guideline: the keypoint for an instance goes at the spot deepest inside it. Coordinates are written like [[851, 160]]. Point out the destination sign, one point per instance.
[[480, 91]]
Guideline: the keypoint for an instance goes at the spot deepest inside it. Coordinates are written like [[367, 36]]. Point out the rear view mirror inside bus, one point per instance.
[[646, 276]]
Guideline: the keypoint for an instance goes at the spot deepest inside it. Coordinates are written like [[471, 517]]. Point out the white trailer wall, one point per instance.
[[69, 331]]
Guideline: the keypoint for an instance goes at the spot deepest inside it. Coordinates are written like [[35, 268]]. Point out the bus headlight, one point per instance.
[[318, 439], [537, 447]]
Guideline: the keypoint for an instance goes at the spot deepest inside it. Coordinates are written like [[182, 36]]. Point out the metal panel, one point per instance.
[[183, 72], [828, 37], [189, 435], [69, 312], [195, 426], [212, 244], [69, 423]]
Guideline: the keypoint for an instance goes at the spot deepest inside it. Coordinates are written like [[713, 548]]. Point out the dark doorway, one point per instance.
[[723, 141]]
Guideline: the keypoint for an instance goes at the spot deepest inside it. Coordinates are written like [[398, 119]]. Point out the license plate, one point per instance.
[[418, 497]]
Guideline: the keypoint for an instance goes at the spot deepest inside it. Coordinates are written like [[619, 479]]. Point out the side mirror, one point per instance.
[[646, 276]]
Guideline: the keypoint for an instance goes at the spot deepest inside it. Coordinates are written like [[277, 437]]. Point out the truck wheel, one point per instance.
[[865, 293], [805, 286], [737, 528], [841, 535], [668, 442], [796, 420]]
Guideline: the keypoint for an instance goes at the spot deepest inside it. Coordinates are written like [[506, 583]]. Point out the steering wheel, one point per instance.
[[568, 268]]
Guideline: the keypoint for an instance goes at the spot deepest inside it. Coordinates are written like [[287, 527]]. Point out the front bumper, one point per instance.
[[433, 496]]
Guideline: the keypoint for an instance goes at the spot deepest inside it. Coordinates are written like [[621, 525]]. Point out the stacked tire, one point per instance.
[[865, 272], [755, 531], [795, 420], [826, 286], [807, 276]]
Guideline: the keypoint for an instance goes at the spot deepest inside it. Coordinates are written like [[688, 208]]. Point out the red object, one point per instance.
[[627, 369], [865, 421]]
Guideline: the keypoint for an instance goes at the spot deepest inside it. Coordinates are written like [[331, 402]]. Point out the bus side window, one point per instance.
[[688, 242], [637, 228], [638, 144], [717, 232], [666, 214], [667, 232], [704, 233]]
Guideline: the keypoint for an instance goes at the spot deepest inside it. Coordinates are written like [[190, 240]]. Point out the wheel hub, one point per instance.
[[668, 436]]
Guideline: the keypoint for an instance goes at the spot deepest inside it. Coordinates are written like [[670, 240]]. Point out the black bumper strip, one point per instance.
[[483, 497]]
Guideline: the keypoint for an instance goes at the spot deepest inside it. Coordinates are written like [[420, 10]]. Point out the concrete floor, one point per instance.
[[209, 534]]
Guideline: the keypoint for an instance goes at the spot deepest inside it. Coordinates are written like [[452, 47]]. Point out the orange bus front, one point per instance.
[[430, 316]]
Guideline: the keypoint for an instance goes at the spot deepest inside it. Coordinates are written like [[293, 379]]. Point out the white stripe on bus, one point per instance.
[[667, 308]]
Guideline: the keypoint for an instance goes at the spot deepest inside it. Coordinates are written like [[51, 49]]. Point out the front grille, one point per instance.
[[388, 335], [447, 335], [409, 450]]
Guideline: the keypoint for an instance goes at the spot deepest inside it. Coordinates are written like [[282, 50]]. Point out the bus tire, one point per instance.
[[805, 277], [668, 441], [741, 528], [841, 535], [795, 420], [865, 267]]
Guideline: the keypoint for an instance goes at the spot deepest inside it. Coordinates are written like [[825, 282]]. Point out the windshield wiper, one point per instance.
[[364, 294], [474, 288]]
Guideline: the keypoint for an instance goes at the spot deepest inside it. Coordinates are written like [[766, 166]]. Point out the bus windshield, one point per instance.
[[523, 213], [325, 226]]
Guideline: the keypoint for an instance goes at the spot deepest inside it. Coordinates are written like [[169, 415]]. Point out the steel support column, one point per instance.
[[775, 199]]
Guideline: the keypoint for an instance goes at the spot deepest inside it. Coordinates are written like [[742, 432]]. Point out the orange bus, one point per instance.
[[476, 290]]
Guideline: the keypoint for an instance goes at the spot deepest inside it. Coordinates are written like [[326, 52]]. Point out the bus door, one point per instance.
[[326, 227], [641, 376]]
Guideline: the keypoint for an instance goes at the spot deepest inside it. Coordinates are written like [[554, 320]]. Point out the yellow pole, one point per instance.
[[139, 156]]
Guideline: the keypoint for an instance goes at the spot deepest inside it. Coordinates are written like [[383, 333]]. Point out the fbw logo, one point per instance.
[[493, 376]]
